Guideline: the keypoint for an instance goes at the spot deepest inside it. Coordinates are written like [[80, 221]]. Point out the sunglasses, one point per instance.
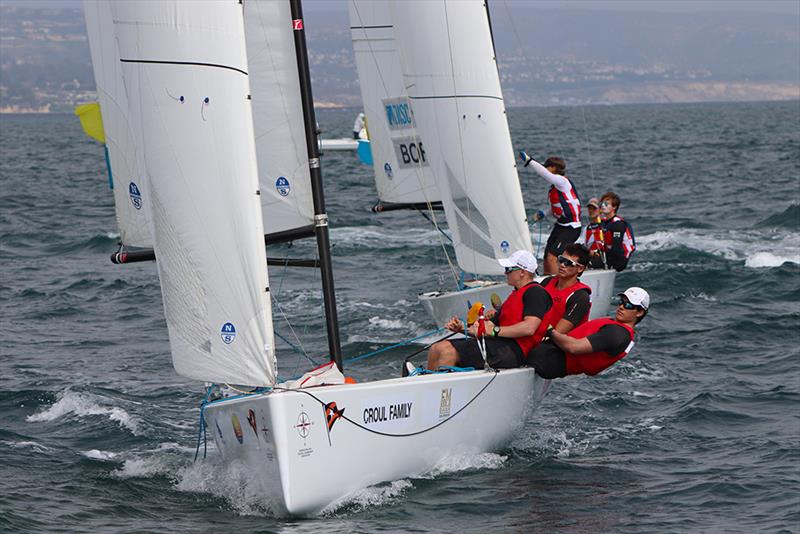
[[566, 262], [628, 306], [512, 269], [605, 204]]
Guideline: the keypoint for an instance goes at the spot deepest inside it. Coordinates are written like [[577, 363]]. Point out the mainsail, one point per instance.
[[402, 171], [451, 77], [186, 73], [127, 177]]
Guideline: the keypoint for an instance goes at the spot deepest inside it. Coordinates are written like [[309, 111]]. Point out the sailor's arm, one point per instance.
[[560, 182], [570, 344], [526, 327]]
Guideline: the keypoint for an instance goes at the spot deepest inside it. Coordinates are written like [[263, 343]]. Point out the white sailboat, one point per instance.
[[284, 181], [452, 89], [187, 79]]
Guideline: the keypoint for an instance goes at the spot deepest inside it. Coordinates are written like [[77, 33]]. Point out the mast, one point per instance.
[[320, 217]]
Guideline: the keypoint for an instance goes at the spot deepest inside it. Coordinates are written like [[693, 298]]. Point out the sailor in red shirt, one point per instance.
[[593, 346], [510, 333]]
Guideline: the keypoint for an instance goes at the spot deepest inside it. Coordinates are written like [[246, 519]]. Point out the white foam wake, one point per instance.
[[757, 248], [83, 405]]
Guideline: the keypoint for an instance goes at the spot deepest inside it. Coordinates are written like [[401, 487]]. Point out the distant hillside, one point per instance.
[[546, 57]]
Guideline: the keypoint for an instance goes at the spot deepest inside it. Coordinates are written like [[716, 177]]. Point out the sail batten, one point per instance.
[[195, 129], [451, 77]]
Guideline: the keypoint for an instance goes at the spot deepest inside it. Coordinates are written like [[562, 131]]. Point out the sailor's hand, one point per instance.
[[455, 325], [473, 329], [524, 158], [538, 216], [489, 314]]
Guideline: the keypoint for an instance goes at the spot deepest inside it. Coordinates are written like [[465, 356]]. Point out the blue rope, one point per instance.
[[201, 431]]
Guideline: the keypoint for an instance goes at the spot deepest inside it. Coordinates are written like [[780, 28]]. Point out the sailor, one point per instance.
[[564, 205], [617, 233], [358, 125], [510, 332], [593, 238], [571, 297], [595, 345]]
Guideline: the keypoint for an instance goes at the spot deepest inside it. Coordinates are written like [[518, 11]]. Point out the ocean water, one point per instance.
[[698, 430]]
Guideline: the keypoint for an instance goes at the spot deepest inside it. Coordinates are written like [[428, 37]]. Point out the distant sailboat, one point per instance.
[[191, 107], [451, 88]]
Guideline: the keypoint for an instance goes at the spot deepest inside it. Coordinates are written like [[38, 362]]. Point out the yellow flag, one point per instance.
[[91, 120]]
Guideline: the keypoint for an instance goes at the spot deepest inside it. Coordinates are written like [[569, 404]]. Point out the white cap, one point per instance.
[[522, 259], [637, 296]]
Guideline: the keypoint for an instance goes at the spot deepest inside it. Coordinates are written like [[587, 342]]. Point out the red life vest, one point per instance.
[[565, 207], [595, 240], [511, 313], [559, 298], [594, 362]]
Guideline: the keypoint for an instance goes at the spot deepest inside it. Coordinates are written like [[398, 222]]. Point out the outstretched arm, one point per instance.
[[556, 180]]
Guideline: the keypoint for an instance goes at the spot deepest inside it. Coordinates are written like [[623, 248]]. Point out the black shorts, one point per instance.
[[560, 237], [501, 352], [548, 360]]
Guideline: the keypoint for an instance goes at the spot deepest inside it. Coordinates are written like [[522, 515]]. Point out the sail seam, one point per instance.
[[431, 97], [195, 63]]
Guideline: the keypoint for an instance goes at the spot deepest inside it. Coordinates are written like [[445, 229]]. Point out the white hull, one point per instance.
[[343, 143], [283, 440], [444, 305]]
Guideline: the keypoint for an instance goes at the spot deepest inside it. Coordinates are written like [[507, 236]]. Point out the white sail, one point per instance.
[[452, 80], [278, 119], [130, 194], [401, 166], [185, 70]]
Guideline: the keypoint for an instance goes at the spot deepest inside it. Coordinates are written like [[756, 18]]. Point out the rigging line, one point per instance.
[[521, 48], [420, 170], [409, 434], [588, 148]]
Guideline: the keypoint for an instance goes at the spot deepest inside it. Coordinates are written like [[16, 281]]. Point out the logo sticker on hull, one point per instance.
[[237, 428], [444, 402], [332, 414], [251, 419]]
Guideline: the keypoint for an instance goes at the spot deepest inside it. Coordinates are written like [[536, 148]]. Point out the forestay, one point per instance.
[[452, 80], [185, 69], [401, 166], [127, 177], [278, 120]]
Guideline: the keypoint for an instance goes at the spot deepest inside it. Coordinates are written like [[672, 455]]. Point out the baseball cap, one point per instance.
[[522, 259], [593, 202], [637, 296]]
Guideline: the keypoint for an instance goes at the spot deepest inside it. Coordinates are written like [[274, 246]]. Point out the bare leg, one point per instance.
[[442, 353], [550, 264]]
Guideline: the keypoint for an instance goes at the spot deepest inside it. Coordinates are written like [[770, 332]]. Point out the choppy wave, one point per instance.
[[756, 248], [84, 405], [789, 218]]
